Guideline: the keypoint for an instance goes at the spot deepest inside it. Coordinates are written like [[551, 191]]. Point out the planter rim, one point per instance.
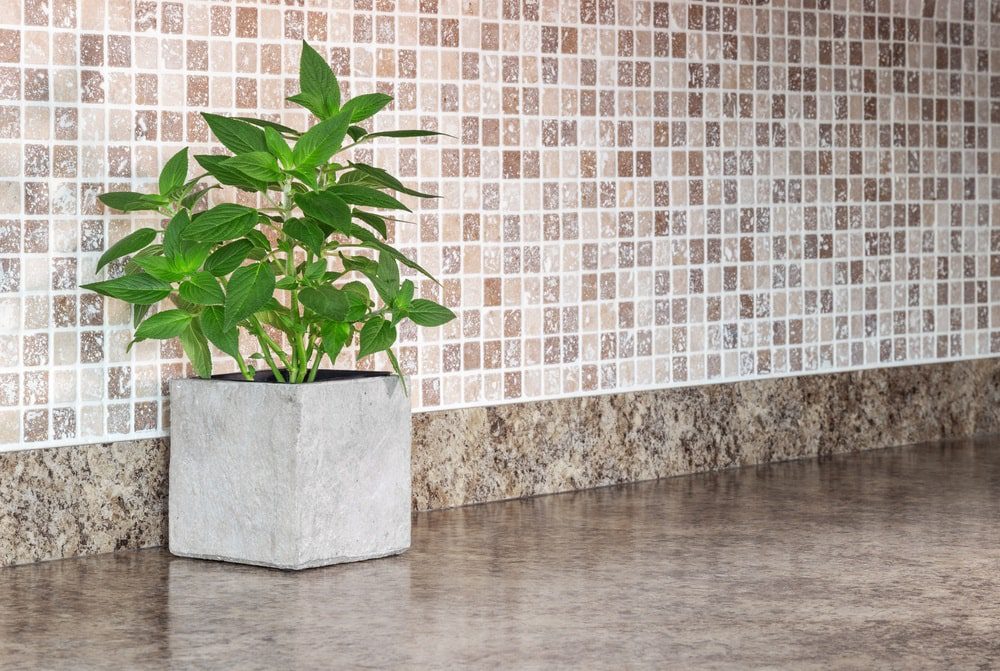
[[265, 378]]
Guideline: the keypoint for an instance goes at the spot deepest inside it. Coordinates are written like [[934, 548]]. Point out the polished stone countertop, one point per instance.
[[885, 559]]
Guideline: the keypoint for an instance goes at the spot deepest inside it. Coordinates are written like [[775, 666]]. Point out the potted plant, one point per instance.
[[286, 463]]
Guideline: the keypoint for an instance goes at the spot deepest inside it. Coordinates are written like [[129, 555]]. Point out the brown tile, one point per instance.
[[10, 46], [582, 182], [246, 22]]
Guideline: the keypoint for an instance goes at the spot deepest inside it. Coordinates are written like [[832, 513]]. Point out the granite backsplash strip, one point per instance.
[[485, 454], [67, 502], [63, 502]]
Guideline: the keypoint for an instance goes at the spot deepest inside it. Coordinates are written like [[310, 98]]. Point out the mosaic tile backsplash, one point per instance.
[[637, 195]]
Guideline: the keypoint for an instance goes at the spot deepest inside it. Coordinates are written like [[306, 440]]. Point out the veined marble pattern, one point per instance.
[[63, 502]]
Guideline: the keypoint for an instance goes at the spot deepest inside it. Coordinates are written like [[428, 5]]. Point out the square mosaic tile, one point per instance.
[[638, 195]]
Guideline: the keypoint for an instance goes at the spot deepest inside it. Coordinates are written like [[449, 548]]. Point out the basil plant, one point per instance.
[[293, 267]]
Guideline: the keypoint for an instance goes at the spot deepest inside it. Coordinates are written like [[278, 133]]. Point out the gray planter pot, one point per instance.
[[289, 476]]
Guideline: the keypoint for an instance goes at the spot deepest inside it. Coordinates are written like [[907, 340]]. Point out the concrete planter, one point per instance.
[[290, 476]]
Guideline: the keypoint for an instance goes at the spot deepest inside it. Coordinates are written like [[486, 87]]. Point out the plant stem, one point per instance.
[[299, 363], [293, 368], [264, 339], [239, 357], [311, 347], [302, 357], [299, 360], [315, 366], [267, 357], [276, 347], [243, 367], [307, 357]]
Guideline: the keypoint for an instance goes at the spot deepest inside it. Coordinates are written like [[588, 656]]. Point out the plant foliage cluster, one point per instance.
[[327, 226]]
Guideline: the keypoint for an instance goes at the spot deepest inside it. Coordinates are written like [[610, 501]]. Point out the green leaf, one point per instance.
[[402, 300], [287, 283], [187, 306], [196, 347], [361, 264], [130, 201], [376, 335], [326, 301], [357, 299], [139, 289], [277, 315], [138, 314], [216, 166], [399, 372], [222, 222], [385, 179], [259, 166], [365, 106], [373, 220], [191, 257], [320, 142], [212, 323], [250, 288], [121, 200], [228, 258], [191, 200], [386, 278], [307, 177], [359, 290], [202, 289], [406, 133], [132, 267], [315, 270], [335, 336], [356, 177], [173, 244], [325, 207], [364, 195], [278, 147], [174, 173], [259, 240], [402, 258], [314, 103], [306, 232], [235, 135], [356, 132], [159, 267], [132, 242], [265, 124], [317, 80], [428, 313], [163, 325]]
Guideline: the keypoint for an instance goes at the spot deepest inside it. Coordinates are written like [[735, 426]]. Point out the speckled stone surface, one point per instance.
[[486, 454], [70, 501], [881, 560], [64, 507]]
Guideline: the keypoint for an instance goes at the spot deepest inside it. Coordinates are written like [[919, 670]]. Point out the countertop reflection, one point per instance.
[[887, 558]]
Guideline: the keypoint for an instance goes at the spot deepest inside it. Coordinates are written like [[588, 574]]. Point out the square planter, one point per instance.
[[290, 476]]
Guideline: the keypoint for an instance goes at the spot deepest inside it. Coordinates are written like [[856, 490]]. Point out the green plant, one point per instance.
[[227, 268]]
